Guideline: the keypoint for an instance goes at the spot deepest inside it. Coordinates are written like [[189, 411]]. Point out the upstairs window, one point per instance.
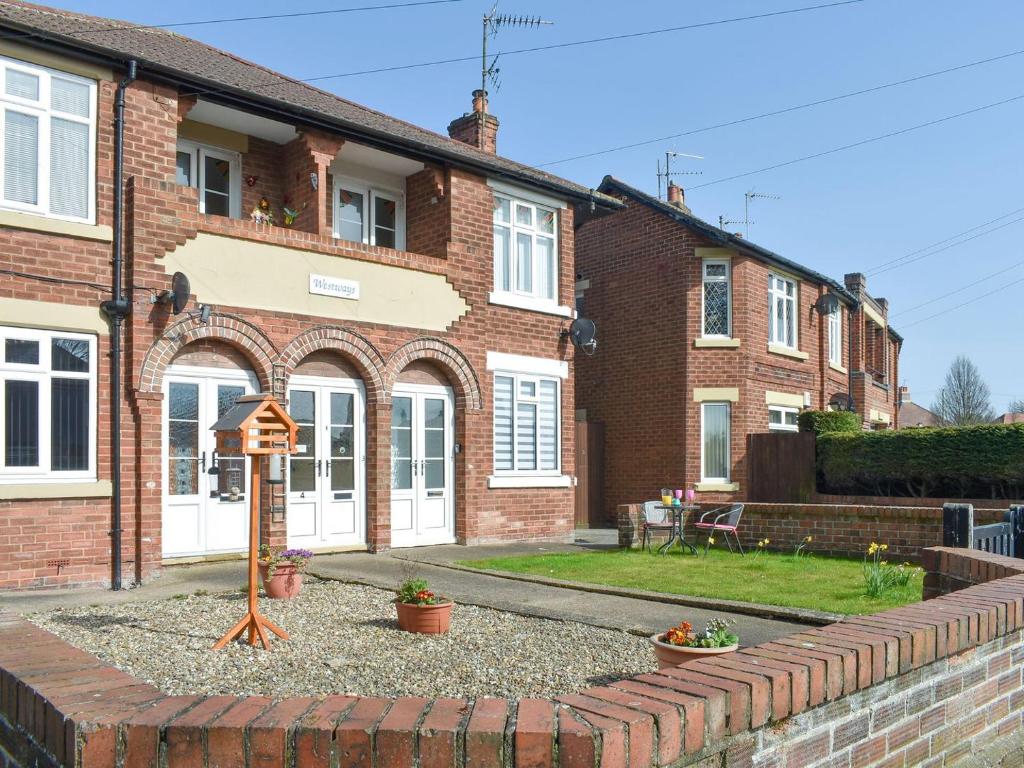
[[369, 215], [716, 298], [835, 336], [216, 173], [48, 133], [782, 311], [525, 249], [48, 394]]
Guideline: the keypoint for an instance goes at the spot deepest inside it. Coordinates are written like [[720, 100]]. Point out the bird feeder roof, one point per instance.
[[261, 424]]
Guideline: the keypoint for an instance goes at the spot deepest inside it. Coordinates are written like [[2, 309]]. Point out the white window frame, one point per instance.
[[42, 109], [704, 478], [835, 336], [370, 193], [43, 373], [517, 380], [728, 294], [777, 293], [197, 173], [513, 295], [783, 411]]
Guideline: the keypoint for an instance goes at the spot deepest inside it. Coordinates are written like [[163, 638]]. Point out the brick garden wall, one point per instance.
[[845, 530], [925, 685]]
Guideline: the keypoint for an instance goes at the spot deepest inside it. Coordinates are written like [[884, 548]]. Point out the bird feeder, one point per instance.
[[255, 426]]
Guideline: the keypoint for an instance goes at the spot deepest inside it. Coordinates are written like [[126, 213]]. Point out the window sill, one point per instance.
[[838, 368], [36, 223], [796, 354], [716, 343], [96, 489], [529, 304], [721, 487], [529, 481]]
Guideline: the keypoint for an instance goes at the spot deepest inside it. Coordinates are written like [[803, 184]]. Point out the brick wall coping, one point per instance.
[[61, 706]]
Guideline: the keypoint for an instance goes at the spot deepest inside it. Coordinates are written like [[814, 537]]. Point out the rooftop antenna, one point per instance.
[[489, 71], [668, 173], [747, 197], [725, 221]]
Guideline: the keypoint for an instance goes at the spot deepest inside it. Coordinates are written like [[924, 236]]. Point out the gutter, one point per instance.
[[117, 308]]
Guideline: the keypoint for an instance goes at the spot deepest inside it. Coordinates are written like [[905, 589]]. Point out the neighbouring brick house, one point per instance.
[[707, 338], [913, 415], [411, 314]]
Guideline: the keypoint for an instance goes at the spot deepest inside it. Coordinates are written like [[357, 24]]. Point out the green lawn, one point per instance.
[[830, 584]]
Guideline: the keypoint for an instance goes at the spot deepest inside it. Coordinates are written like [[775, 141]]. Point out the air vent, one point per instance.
[[58, 564]]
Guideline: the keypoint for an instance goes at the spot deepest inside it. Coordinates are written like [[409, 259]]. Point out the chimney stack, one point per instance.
[[477, 128], [855, 283], [905, 395], [677, 197]]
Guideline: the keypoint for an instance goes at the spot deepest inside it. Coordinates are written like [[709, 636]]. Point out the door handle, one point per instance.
[[423, 467], [319, 467], [413, 462], [202, 461], [327, 468]]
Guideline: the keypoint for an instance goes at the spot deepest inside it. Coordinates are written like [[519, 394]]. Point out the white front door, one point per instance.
[[326, 498], [422, 466], [203, 513]]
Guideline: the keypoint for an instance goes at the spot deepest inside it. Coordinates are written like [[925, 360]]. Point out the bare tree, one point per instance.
[[964, 396], [1017, 406]]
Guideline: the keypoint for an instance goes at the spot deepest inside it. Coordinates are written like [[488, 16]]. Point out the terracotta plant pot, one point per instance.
[[286, 584], [425, 619], [674, 655]]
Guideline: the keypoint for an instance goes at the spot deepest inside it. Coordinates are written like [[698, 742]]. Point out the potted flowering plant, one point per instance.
[[681, 644], [281, 571], [420, 610]]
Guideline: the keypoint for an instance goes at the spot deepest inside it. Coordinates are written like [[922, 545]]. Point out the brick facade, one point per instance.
[[936, 683], [641, 282], [54, 542]]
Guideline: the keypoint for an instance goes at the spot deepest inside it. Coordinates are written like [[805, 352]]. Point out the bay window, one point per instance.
[[48, 390], [716, 298], [782, 317], [835, 336], [525, 249], [369, 215], [526, 424], [783, 418], [715, 466], [216, 173], [48, 133]]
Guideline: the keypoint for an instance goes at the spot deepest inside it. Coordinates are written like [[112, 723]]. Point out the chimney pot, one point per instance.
[[677, 197], [477, 128]]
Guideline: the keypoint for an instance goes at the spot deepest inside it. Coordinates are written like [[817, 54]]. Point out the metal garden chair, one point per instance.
[[725, 519], [656, 518]]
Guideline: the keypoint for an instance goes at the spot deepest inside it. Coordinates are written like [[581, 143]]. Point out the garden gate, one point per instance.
[[1005, 538]]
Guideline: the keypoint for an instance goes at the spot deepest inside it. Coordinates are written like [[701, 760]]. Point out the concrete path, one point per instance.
[[387, 571]]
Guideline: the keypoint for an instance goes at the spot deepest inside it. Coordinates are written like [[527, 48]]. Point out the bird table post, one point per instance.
[[255, 426]]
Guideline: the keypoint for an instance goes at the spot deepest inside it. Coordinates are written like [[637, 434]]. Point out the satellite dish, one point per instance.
[[581, 333], [177, 297], [827, 304], [841, 401]]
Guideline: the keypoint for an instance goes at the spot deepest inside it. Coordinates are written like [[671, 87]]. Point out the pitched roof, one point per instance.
[[914, 415], [610, 184], [220, 75]]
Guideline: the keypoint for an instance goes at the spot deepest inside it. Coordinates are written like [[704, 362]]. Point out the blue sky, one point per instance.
[[850, 211]]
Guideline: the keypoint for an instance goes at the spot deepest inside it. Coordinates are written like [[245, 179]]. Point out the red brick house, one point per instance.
[[707, 338], [407, 301]]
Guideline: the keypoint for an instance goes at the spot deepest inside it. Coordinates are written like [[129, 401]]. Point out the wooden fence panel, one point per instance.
[[781, 467]]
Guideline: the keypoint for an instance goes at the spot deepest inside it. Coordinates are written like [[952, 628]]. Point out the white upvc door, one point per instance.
[[326, 477], [203, 512], [422, 465]]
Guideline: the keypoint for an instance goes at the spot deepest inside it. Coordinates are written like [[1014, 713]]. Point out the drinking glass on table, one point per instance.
[[666, 496]]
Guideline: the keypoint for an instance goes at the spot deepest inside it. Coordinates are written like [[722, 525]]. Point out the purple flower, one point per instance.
[[303, 553]]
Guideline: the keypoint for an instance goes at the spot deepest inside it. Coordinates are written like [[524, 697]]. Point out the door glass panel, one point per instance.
[[350, 216], [384, 221], [183, 439], [217, 182], [433, 443], [401, 443], [21, 424], [183, 173], [301, 465], [231, 479], [342, 459]]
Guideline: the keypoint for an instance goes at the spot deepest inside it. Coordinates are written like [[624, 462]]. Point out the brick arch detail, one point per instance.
[[467, 390], [357, 348], [249, 340]]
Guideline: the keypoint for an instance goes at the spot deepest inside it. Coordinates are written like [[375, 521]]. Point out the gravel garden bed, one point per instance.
[[345, 640]]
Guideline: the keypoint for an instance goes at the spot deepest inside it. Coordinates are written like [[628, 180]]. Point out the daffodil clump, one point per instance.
[[879, 575], [801, 548], [762, 545]]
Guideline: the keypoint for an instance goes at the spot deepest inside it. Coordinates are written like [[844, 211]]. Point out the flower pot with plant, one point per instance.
[[420, 610], [681, 644], [281, 571]]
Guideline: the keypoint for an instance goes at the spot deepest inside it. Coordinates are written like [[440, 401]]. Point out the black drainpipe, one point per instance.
[[117, 309]]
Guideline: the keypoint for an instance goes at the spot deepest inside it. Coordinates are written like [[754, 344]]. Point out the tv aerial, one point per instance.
[[494, 21], [747, 197], [582, 333], [667, 174]]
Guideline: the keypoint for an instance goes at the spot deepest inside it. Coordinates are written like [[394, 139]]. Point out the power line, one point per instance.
[[575, 43], [786, 110], [964, 304], [957, 290], [860, 143], [947, 247], [877, 267]]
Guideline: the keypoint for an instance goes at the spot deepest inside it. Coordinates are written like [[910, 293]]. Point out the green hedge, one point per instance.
[[820, 422], [985, 461]]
